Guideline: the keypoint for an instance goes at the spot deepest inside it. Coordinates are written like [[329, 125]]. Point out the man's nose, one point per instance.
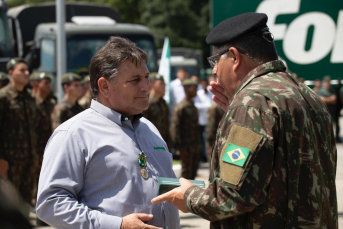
[[214, 70], [146, 85]]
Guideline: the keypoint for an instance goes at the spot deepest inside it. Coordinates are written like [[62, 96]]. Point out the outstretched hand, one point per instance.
[[219, 95], [175, 196]]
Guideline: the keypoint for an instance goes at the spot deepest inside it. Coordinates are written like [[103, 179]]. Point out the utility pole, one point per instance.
[[61, 46]]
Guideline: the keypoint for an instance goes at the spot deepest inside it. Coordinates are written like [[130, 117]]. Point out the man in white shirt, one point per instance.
[[101, 167], [203, 102], [177, 92]]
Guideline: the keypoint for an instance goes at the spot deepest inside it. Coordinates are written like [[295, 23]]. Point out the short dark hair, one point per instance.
[[105, 63], [259, 46]]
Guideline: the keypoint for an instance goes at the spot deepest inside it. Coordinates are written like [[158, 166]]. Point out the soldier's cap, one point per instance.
[[155, 76], [4, 76], [237, 26], [85, 80], [188, 82], [35, 76], [70, 77], [14, 61], [327, 78]]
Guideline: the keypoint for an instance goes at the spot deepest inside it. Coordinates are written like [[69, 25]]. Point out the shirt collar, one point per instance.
[[272, 66], [111, 114], [14, 93]]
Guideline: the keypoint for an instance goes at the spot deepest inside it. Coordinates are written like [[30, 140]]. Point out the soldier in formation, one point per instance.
[[86, 99], [158, 111], [185, 132], [68, 107], [19, 129], [214, 115]]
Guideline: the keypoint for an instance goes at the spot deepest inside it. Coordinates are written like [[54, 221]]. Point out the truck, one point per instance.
[[5, 42], [187, 58], [88, 27], [308, 34]]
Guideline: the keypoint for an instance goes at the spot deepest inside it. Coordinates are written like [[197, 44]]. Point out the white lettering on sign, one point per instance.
[[326, 36], [294, 42], [275, 8], [337, 50]]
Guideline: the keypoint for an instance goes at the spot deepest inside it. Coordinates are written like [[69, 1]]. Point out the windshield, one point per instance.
[[81, 48], [5, 42]]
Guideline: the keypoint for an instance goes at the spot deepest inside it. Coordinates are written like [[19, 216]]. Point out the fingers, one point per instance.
[[144, 217], [220, 103], [161, 198]]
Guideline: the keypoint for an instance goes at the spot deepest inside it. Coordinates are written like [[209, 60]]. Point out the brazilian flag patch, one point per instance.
[[236, 155]]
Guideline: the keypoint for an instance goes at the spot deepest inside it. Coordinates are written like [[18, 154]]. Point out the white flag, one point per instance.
[[164, 69]]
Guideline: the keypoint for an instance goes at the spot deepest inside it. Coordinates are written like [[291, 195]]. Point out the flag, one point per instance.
[[236, 155], [164, 68]]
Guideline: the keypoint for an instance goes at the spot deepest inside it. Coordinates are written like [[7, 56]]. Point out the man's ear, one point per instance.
[[103, 85], [237, 58]]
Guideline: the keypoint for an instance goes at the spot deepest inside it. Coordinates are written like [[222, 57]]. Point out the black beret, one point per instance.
[[235, 27]]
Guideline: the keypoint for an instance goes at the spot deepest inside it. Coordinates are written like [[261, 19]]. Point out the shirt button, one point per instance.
[[126, 118]]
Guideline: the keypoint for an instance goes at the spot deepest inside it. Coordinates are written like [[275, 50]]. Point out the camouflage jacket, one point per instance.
[[158, 114], [184, 129], [214, 115], [19, 122], [46, 107], [86, 100], [287, 179], [64, 111]]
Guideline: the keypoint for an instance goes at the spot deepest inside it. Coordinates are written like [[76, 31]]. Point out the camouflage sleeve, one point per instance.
[[221, 199], [175, 127], [56, 117]]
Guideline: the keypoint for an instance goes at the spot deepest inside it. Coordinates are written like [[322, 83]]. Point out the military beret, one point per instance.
[[70, 77], [236, 27], [188, 82], [85, 80], [14, 61], [39, 76], [155, 76], [3, 76]]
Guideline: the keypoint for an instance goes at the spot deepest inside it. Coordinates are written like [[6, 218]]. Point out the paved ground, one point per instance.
[[194, 222]]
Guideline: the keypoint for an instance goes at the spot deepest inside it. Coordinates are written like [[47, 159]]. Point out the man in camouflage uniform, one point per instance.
[[68, 107], [158, 111], [86, 99], [185, 132], [274, 159], [4, 80], [214, 115], [19, 121], [45, 104]]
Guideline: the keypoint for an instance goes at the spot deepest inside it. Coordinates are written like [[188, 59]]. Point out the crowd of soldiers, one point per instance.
[[29, 112], [190, 123]]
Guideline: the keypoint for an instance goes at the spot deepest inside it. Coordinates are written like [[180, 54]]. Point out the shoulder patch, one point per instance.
[[237, 152]]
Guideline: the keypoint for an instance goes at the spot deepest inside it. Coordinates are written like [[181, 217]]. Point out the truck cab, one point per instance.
[[88, 27]]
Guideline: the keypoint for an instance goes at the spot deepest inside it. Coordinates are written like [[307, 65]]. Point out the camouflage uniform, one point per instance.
[[19, 122], [185, 134], [64, 111], [158, 114], [214, 115], [288, 180], [86, 100]]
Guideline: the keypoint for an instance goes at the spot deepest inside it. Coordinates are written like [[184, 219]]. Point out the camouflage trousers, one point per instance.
[[22, 175], [190, 163]]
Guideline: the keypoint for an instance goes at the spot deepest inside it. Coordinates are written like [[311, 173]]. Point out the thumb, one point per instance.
[[144, 217]]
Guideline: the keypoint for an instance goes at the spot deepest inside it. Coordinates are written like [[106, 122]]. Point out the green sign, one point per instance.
[[308, 33]]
